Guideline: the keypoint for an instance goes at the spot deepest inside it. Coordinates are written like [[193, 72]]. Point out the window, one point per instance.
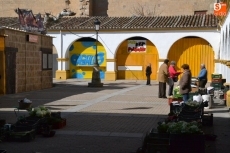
[[200, 12], [47, 59]]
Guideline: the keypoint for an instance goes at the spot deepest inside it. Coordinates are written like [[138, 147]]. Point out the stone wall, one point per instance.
[[160, 7], [86, 7], [37, 6], [108, 7], [29, 73]]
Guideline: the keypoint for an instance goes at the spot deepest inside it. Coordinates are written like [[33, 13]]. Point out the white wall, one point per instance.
[[163, 40], [224, 49]]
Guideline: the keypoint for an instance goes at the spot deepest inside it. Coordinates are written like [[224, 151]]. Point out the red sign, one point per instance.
[[32, 38], [220, 9], [136, 46]]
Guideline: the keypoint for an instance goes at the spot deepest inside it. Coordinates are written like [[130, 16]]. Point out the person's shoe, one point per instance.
[[164, 97]]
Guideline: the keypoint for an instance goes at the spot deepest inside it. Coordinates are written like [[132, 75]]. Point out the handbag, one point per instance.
[[175, 79]]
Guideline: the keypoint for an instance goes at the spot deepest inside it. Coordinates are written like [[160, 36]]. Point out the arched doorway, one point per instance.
[[133, 55], [82, 54], [193, 51]]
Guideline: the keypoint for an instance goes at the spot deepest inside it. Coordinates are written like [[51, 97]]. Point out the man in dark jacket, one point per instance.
[[148, 72], [185, 82]]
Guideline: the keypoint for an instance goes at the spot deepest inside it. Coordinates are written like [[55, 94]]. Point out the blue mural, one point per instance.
[[85, 60], [80, 75], [87, 44], [82, 58], [71, 48]]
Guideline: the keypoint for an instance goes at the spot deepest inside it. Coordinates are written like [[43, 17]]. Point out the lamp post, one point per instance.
[[96, 80]]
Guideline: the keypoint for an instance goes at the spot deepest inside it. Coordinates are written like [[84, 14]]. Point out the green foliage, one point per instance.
[[176, 92], [180, 127], [40, 111]]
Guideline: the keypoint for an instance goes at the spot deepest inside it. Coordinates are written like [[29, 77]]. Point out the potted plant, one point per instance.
[[57, 123], [184, 136], [40, 111], [176, 96]]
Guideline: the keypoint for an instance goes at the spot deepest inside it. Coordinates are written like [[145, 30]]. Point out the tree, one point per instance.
[[144, 10]]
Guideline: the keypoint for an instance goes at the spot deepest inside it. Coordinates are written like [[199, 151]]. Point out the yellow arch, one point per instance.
[[124, 58], [193, 51]]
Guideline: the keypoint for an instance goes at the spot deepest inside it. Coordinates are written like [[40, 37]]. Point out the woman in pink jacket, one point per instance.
[[173, 77]]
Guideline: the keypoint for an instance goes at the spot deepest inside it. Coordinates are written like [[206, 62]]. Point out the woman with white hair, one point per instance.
[[173, 77], [202, 76]]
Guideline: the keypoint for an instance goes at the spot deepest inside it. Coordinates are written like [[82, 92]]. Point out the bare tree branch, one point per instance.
[[144, 10]]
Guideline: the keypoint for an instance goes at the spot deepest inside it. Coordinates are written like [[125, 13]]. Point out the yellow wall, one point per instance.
[[82, 59], [193, 51], [124, 58], [2, 66]]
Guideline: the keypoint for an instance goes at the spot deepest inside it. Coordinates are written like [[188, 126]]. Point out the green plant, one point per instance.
[[180, 127], [176, 92], [40, 111], [162, 127]]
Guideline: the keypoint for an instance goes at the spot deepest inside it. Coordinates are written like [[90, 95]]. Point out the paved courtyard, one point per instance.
[[111, 119]]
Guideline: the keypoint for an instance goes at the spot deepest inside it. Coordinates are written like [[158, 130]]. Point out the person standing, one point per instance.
[[148, 72], [202, 76], [185, 82], [173, 77], [163, 78]]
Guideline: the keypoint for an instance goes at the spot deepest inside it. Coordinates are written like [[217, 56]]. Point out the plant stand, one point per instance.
[[60, 124], [187, 143]]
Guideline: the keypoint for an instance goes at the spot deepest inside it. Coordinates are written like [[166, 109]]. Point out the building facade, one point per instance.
[[112, 8], [127, 45], [25, 61]]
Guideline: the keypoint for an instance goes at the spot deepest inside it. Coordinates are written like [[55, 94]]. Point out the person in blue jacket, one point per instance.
[[202, 76]]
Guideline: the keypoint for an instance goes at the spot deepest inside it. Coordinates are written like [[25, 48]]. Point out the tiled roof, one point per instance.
[[122, 23], [12, 22], [125, 23]]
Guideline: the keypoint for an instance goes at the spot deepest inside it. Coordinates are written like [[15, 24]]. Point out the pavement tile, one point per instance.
[[111, 119]]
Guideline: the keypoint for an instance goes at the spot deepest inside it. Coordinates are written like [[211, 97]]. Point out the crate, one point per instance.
[[207, 119], [216, 76], [216, 84], [157, 148], [216, 81], [218, 88], [23, 105], [25, 127], [25, 136], [170, 100], [187, 143]]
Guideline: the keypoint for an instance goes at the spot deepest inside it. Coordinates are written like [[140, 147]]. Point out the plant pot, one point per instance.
[[60, 124], [2, 122], [23, 105], [189, 143], [170, 100]]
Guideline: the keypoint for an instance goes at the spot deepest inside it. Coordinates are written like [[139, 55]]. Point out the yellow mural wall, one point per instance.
[[1, 43], [125, 58], [2, 66], [82, 54], [193, 51]]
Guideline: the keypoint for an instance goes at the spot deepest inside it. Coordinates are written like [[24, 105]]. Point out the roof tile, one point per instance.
[[122, 23]]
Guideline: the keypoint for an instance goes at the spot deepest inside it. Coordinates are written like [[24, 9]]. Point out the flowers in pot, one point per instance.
[[176, 92], [40, 111]]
